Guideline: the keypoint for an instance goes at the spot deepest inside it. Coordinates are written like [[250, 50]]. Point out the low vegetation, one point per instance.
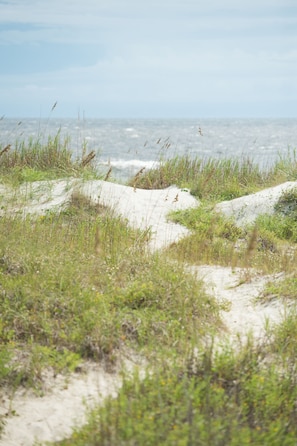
[[35, 160], [215, 239], [81, 285], [226, 399], [216, 180]]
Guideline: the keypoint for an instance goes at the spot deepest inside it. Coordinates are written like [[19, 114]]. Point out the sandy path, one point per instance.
[[52, 416], [242, 313]]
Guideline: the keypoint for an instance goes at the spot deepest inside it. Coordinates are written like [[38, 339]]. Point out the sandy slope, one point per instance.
[[246, 209], [52, 416]]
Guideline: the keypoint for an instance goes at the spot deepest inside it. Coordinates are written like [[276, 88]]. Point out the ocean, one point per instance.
[[127, 145]]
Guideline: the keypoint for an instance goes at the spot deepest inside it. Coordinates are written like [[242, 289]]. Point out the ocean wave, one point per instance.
[[130, 164], [122, 169]]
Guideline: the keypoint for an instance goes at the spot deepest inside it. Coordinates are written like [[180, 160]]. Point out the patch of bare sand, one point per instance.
[[64, 404], [242, 313]]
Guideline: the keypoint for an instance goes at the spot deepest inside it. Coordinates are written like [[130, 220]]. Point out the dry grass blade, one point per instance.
[[97, 241], [252, 243], [6, 149], [108, 174], [137, 176], [208, 177], [250, 251], [87, 159]]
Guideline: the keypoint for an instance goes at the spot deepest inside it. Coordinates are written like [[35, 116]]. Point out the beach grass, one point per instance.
[[35, 160], [268, 245], [81, 285], [211, 179]]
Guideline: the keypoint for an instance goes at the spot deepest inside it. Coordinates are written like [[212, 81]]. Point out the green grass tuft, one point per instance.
[[35, 160], [217, 179]]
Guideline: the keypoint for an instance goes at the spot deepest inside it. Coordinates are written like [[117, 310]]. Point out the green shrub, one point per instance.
[[280, 226], [287, 204]]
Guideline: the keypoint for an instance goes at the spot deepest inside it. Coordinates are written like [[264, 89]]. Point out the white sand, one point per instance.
[[246, 209], [144, 208], [52, 416], [63, 405], [242, 313]]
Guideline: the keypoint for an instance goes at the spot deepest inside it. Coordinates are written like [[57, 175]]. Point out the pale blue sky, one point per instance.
[[148, 59]]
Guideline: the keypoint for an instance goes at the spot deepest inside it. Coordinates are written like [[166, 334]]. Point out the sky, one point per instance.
[[148, 58]]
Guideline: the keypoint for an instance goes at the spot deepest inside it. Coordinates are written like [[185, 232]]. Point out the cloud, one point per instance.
[[161, 52]]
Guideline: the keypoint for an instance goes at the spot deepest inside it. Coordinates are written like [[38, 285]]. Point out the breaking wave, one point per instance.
[[124, 169]]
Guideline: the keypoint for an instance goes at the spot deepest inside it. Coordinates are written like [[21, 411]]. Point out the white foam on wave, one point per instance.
[[131, 164], [125, 169]]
